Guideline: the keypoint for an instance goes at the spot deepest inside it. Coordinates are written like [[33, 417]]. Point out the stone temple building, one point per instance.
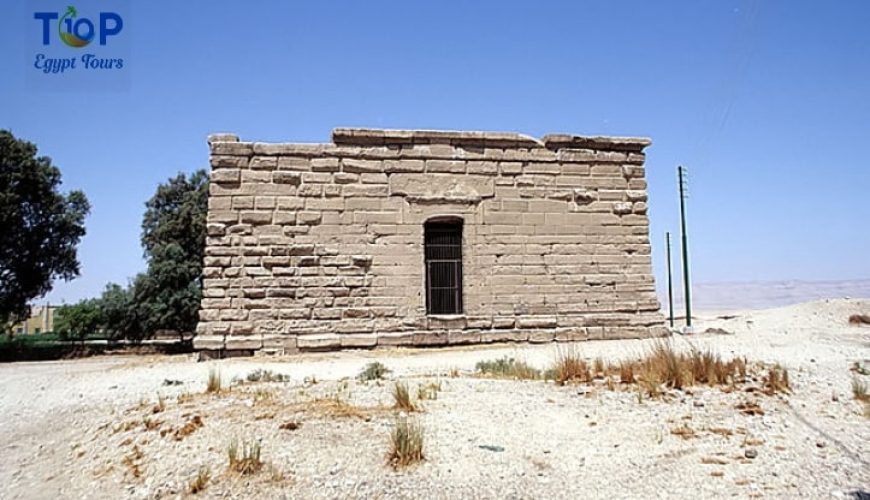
[[419, 237]]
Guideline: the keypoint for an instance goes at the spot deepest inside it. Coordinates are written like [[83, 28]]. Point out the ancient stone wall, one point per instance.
[[320, 246]]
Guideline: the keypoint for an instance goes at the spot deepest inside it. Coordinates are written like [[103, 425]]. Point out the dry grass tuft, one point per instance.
[[749, 408], [428, 391], [246, 462], [859, 390], [569, 367], [722, 431], [131, 461], [776, 380], [598, 367], [188, 428], [507, 368], [151, 424], [200, 481], [406, 443], [160, 406], [402, 398], [684, 431], [626, 372], [215, 382]]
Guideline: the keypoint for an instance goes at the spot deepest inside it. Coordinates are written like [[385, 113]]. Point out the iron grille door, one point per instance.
[[443, 250]]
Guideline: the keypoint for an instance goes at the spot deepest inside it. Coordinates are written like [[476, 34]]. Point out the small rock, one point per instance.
[[750, 453], [820, 444], [698, 404], [490, 447]]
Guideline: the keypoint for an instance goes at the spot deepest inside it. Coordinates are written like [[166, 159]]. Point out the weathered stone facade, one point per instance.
[[320, 246]]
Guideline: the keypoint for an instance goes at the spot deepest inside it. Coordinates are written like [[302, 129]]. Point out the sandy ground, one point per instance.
[[87, 428]]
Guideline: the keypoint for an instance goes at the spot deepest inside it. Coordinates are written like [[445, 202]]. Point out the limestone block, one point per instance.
[[285, 343], [243, 342], [263, 163], [396, 338], [361, 166], [220, 162], [282, 177], [621, 208], [208, 342], [430, 338], [345, 178], [255, 217], [540, 336], [318, 342], [443, 187], [370, 191], [309, 218], [457, 337], [359, 340], [452, 322], [406, 165], [226, 176], [325, 165]]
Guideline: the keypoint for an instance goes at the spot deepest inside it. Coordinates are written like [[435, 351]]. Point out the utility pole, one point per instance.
[[670, 280], [687, 292]]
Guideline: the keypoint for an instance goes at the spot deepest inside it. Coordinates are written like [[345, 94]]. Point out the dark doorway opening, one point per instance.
[[443, 251]]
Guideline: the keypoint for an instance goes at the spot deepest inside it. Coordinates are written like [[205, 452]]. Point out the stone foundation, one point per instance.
[[320, 246]]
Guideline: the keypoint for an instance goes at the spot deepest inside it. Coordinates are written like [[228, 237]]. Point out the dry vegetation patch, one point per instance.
[[200, 481], [507, 367]]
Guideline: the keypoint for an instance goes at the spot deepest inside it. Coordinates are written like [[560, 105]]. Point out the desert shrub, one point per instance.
[[214, 381], [261, 375], [507, 368], [373, 371], [859, 319], [245, 460], [402, 398], [406, 443]]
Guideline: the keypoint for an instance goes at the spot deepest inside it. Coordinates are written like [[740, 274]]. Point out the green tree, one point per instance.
[[39, 227], [117, 315], [76, 321], [167, 295]]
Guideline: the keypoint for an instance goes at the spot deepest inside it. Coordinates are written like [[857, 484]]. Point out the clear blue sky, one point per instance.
[[767, 103]]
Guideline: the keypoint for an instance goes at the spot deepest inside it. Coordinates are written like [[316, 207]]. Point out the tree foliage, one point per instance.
[[176, 215], [167, 295], [75, 322], [40, 227]]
